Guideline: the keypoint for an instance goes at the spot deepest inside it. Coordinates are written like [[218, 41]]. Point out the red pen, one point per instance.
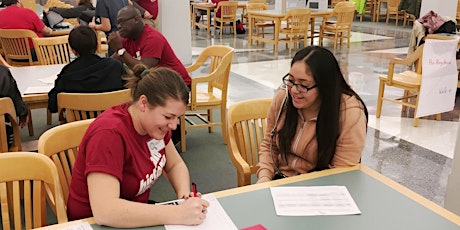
[[194, 190]]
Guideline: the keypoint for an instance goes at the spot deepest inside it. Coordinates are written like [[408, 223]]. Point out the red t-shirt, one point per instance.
[[151, 6], [15, 17], [111, 145], [153, 44]]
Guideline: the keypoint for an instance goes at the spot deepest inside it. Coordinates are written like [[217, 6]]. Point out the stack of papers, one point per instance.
[[38, 89], [313, 201]]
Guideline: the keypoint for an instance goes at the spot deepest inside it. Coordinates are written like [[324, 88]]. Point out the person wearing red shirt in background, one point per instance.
[[29, 20], [151, 7], [215, 2]]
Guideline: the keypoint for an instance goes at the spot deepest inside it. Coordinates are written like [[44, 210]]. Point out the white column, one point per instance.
[[174, 23], [442, 7]]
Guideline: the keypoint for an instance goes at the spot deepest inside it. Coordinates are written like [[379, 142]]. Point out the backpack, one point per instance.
[[239, 27]]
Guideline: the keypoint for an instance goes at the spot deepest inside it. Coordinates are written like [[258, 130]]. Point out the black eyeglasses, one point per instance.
[[301, 88], [123, 21]]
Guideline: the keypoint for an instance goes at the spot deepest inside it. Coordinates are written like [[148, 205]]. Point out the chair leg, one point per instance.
[[182, 133], [380, 99], [48, 117], [223, 119], [321, 34], [30, 125], [438, 117], [335, 40], [210, 128]]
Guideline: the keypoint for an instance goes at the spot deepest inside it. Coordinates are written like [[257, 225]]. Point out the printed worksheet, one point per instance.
[[38, 89], [313, 201], [216, 217]]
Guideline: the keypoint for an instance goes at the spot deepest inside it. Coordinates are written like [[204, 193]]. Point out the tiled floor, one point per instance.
[[417, 157]]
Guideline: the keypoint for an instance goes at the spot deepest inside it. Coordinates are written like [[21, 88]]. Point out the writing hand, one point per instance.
[[195, 210]]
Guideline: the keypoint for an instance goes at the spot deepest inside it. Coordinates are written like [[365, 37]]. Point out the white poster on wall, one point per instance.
[[439, 77]]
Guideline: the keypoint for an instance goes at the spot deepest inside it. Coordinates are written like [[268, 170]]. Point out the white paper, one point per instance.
[[82, 226], [38, 89], [439, 77], [49, 80], [313, 201], [216, 217]]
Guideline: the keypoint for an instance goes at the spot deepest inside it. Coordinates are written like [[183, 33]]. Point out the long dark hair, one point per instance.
[[326, 72]]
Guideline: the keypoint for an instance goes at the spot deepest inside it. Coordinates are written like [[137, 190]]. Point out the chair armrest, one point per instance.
[[242, 167]]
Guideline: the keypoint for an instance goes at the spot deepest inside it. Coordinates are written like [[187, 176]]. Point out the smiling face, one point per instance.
[[157, 121], [300, 74]]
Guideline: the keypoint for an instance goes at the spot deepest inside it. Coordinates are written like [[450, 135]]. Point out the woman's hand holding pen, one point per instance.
[[195, 210]]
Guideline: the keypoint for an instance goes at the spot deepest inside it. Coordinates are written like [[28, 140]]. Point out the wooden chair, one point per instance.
[[334, 2], [3, 62], [341, 28], [227, 17], [16, 44], [215, 97], [61, 145], [297, 27], [368, 10], [22, 187], [246, 129], [260, 23], [409, 81], [7, 109], [52, 50], [81, 106], [102, 45], [409, 18], [244, 14], [393, 12]]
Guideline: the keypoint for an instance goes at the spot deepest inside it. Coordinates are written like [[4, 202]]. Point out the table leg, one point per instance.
[[277, 33], [208, 16], [250, 19], [193, 17]]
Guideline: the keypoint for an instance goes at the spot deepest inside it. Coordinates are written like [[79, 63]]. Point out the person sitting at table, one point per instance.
[[315, 122], [74, 12], [143, 44], [9, 88], [88, 73], [15, 16], [126, 149], [201, 12]]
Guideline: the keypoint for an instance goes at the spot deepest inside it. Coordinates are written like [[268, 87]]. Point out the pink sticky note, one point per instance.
[[255, 227]]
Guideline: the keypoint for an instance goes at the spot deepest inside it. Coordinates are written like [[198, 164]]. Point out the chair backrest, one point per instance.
[[392, 5], [227, 10], [298, 20], [256, 6], [81, 106], [24, 178], [344, 13], [7, 109], [219, 71], [246, 128], [52, 50], [16, 44], [61, 145]]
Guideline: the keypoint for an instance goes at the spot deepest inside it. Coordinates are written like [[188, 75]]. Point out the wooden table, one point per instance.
[[277, 16], [384, 204], [27, 76]]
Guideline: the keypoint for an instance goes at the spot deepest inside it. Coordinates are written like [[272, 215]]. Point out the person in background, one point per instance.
[[126, 149], [315, 122], [74, 12], [201, 12], [9, 88], [88, 73], [137, 43], [151, 6], [15, 16], [106, 15]]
